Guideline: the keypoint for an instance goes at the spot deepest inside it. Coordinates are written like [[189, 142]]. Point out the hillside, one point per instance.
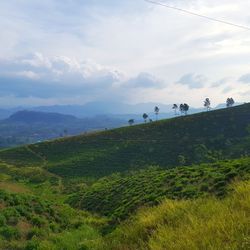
[[29, 222], [118, 196], [192, 224], [208, 199], [204, 137], [67, 194]]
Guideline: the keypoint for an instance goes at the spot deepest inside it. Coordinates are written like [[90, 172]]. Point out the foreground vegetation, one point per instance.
[[202, 221], [118, 196], [206, 223], [28, 222]]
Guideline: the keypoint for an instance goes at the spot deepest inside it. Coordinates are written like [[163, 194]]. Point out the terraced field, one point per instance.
[[118, 196]]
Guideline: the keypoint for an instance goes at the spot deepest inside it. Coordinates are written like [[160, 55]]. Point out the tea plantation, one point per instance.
[[118, 196]]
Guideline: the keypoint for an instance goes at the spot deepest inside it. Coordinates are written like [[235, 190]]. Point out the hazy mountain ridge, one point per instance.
[[24, 127], [104, 108], [29, 117]]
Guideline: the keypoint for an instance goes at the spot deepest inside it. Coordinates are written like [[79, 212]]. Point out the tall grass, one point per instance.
[[207, 223]]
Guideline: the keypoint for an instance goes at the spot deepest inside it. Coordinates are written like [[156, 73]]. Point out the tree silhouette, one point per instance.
[[145, 117], [157, 110], [175, 107], [184, 108], [230, 102], [181, 108], [207, 104], [131, 122]]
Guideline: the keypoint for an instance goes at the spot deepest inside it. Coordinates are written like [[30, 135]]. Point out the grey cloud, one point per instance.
[[193, 81], [245, 78], [42, 77], [144, 80], [60, 77]]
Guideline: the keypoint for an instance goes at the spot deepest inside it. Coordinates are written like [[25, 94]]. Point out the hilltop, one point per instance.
[[26, 116], [204, 137]]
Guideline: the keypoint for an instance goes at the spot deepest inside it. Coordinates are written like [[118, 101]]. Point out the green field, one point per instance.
[[181, 183]]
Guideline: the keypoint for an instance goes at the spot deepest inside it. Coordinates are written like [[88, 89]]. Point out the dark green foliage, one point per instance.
[[28, 222], [204, 137], [119, 195], [9, 233]]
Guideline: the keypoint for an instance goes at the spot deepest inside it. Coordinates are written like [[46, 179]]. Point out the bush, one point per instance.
[[9, 233], [32, 245], [2, 220], [38, 221]]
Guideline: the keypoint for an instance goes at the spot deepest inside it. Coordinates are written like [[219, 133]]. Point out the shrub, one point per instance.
[[9, 233], [2, 220], [38, 221]]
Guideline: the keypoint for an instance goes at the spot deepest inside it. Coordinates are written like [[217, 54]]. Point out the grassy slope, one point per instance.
[[196, 138], [118, 196], [194, 224]]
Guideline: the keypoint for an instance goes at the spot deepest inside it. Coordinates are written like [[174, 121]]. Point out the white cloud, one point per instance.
[[193, 81], [89, 44]]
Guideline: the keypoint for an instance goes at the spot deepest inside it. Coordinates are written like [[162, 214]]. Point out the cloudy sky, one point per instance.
[[78, 51]]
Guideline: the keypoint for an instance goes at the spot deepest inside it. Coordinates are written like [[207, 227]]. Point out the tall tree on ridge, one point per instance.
[[207, 104], [157, 110], [175, 107], [185, 108], [145, 117], [181, 108], [131, 122], [230, 102]]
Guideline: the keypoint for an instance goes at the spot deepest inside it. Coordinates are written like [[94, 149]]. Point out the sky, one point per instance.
[[130, 51]]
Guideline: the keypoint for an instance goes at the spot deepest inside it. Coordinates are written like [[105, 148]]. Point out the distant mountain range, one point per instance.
[[93, 109], [25, 127], [31, 117]]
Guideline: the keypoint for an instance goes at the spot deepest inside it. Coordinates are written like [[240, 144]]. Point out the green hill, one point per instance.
[[204, 137]]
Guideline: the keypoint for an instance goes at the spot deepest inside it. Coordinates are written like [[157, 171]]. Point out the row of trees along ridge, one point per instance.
[[183, 108]]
